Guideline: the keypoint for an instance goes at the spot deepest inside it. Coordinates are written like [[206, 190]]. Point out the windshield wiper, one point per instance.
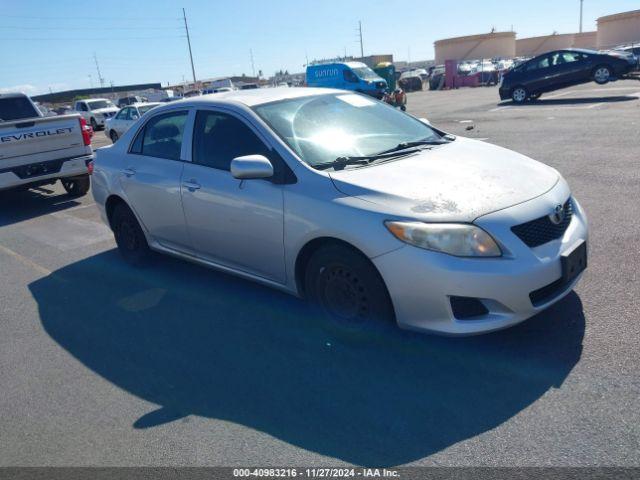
[[418, 143], [341, 162]]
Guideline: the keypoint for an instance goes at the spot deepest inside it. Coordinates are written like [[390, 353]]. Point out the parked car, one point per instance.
[[436, 81], [410, 81], [169, 99], [124, 101], [120, 123], [38, 150], [562, 68], [354, 76], [95, 111], [372, 214]]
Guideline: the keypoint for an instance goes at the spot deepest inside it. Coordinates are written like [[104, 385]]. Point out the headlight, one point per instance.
[[459, 239]]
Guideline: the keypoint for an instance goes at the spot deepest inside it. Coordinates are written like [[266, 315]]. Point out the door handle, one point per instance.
[[191, 185], [129, 172]]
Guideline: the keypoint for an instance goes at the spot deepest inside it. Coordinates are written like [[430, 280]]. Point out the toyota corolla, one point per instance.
[[370, 213]]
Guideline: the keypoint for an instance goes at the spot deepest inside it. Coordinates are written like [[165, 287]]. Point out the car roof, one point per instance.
[[144, 104], [95, 99], [257, 96], [13, 95]]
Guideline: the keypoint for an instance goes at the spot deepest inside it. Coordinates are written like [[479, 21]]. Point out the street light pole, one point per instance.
[[581, 2]]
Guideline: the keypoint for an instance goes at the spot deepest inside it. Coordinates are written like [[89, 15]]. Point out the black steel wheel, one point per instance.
[[132, 244], [348, 289]]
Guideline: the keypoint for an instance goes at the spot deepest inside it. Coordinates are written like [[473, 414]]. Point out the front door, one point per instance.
[[151, 176], [238, 224]]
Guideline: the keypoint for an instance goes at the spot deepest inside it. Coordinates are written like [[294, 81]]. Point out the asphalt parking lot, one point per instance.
[[102, 364]]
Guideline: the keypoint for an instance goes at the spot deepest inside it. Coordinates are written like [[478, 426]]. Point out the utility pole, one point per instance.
[[186, 28], [100, 79], [90, 80], [253, 67], [361, 47], [581, 2]]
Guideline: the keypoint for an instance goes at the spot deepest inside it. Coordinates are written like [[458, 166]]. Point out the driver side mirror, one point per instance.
[[425, 121], [135, 116], [251, 166]]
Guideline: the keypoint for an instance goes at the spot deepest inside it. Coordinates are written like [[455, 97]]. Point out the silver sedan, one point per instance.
[[372, 214], [115, 126]]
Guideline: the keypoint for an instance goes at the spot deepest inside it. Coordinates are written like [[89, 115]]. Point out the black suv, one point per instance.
[[563, 68]]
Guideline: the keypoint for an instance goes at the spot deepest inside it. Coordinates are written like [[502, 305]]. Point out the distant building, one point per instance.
[[113, 92], [532, 46], [473, 47], [618, 29]]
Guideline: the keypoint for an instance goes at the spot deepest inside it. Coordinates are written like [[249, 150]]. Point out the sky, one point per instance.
[[50, 44]]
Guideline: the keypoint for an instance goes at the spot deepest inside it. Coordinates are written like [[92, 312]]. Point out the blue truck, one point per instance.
[[354, 76]]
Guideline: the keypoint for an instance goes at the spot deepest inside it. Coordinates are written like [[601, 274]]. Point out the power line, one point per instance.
[[16, 27], [120, 19]]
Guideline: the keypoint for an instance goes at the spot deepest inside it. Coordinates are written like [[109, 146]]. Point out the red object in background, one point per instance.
[[450, 73], [87, 131]]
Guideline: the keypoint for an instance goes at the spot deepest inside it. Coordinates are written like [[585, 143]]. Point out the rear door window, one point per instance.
[[162, 136]]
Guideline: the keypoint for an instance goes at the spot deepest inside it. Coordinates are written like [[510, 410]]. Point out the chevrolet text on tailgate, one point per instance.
[[37, 150]]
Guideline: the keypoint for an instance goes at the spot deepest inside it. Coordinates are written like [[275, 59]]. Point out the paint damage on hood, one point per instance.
[[460, 181]]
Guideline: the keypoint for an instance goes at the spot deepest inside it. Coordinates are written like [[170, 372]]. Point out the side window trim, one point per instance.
[[138, 138], [287, 174]]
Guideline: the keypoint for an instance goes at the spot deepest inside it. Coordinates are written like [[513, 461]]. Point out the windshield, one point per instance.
[[365, 73], [322, 128], [100, 104]]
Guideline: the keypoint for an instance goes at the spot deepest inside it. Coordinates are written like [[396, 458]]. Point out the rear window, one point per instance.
[[16, 108]]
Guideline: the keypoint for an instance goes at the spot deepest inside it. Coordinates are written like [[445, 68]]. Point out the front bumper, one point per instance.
[[421, 282]]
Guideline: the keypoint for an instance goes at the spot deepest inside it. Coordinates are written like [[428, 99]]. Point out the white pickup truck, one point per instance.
[[96, 110], [37, 150]]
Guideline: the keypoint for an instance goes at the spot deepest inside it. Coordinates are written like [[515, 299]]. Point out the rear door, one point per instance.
[[151, 178], [568, 67], [239, 224]]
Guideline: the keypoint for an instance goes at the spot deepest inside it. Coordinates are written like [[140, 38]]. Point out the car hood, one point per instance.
[[460, 181]]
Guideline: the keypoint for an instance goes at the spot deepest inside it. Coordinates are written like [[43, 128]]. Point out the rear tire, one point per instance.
[[602, 74], [519, 95], [348, 290], [113, 136], [132, 244], [78, 186]]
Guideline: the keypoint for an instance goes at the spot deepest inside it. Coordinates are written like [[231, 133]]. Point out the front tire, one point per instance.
[[94, 124], [132, 244], [519, 95], [602, 74], [113, 136], [347, 289], [78, 186]]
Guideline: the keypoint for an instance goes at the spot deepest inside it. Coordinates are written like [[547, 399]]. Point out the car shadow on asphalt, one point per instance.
[[197, 342], [19, 205], [573, 101]]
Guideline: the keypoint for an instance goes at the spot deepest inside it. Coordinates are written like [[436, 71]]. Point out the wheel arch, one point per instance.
[[312, 246], [110, 205]]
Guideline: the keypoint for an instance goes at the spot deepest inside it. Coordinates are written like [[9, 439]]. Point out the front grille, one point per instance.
[[542, 230]]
